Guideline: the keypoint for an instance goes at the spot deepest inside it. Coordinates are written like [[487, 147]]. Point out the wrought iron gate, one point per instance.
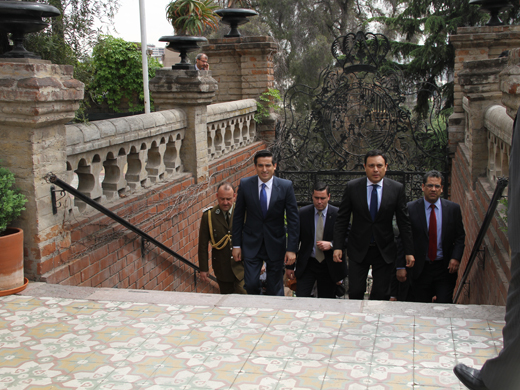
[[363, 102]]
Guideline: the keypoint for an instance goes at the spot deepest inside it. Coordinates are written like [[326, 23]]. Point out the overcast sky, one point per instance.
[[127, 21]]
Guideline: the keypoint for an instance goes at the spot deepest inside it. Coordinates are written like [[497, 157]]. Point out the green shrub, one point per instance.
[[11, 201], [268, 100]]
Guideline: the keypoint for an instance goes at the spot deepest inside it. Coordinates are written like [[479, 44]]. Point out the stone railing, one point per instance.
[[230, 127], [499, 128], [117, 156]]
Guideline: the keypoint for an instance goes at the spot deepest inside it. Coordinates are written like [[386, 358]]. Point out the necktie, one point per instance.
[[227, 217], [373, 202], [319, 236], [263, 200], [432, 234]]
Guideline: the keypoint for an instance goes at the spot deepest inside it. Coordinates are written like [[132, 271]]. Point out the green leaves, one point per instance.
[[191, 17], [117, 73], [11, 202]]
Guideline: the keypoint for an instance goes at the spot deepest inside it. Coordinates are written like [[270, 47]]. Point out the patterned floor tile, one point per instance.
[[307, 368], [391, 358], [386, 374], [395, 330], [327, 316], [430, 346], [431, 322], [264, 365], [212, 380], [350, 372], [342, 384], [467, 323], [347, 355], [435, 361], [319, 350], [362, 342], [435, 377]]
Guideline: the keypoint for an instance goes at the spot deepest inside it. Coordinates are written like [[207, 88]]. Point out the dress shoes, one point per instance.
[[469, 377]]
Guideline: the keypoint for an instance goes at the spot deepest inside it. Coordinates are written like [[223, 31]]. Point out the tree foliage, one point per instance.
[[116, 73], [11, 201]]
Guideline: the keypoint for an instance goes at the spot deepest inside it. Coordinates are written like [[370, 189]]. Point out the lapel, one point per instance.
[[328, 228], [310, 221], [220, 217], [444, 219], [422, 216], [363, 191], [275, 193], [254, 193], [385, 195]]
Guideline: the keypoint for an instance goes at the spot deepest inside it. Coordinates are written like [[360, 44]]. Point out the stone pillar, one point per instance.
[[37, 98], [244, 69], [473, 44], [192, 91], [510, 83]]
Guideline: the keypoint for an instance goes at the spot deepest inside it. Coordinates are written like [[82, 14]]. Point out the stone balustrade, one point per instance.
[[118, 156], [230, 127], [499, 129]]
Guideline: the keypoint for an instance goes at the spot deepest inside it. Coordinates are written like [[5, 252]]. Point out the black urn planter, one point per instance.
[[493, 7], [20, 18], [235, 17], [183, 44]]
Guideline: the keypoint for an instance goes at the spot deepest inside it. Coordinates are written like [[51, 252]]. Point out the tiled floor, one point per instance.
[[64, 343]]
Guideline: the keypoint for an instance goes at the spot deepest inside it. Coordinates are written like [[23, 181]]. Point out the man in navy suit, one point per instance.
[[438, 238], [502, 372], [259, 235], [314, 260], [372, 201]]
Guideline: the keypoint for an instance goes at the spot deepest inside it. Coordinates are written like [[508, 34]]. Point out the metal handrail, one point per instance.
[[501, 184], [60, 183]]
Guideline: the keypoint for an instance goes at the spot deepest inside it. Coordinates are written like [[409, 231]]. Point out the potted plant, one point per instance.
[[11, 239], [235, 16], [189, 18]]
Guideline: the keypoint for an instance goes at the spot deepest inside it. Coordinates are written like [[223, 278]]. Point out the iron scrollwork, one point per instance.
[[362, 102]]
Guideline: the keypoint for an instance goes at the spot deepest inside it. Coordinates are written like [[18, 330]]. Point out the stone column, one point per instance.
[[474, 44], [244, 69], [37, 98], [192, 91], [510, 83]]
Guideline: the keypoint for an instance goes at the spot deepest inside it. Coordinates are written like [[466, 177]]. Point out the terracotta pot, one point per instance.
[[11, 259]]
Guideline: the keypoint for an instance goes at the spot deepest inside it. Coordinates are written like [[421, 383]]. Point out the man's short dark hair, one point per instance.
[[433, 174], [264, 153], [321, 186], [225, 184], [199, 56], [375, 153]]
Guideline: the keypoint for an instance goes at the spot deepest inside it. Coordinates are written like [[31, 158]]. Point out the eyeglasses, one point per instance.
[[430, 186]]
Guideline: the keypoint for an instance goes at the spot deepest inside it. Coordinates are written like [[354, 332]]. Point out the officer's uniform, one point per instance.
[[229, 273]]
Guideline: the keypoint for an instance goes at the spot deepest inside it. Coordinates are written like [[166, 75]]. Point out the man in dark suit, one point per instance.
[[259, 234], [502, 372], [438, 238], [314, 260], [215, 230], [372, 202]]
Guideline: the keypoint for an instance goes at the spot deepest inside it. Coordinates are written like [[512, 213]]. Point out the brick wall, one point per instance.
[[102, 253], [489, 278]]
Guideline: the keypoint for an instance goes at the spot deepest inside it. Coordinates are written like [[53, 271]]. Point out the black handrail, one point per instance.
[[501, 184], [60, 183]]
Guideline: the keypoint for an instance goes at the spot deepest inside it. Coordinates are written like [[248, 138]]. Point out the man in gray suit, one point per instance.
[[503, 372], [259, 235]]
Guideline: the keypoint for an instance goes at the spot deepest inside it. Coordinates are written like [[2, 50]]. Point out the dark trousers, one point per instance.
[[235, 287], [502, 372], [274, 277], [434, 281], [381, 276], [316, 272]]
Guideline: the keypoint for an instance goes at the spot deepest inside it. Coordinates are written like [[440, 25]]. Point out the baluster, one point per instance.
[[136, 175], [155, 166], [88, 181], [211, 141], [114, 183], [172, 158]]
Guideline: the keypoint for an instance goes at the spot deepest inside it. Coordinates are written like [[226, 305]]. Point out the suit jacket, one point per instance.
[[452, 233], [337, 271], [224, 266], [354, 203], [251, 229]]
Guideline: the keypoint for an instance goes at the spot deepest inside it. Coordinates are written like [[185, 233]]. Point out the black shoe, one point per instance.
[[469, 377]]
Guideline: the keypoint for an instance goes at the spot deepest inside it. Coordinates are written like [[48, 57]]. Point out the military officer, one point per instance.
[[215, 230]]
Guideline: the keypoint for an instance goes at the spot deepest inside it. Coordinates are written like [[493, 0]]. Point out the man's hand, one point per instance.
[[262, 270], [237, 254], [289, 273], [324, 245], [410, 260], [454, 266], [338, 255], [204, 276], [290, 258], [401, 275]]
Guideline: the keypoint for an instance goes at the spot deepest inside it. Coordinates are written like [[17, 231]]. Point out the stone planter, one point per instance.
[[11, 262]]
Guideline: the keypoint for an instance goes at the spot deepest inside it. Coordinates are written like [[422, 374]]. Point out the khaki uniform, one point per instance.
[[229, 273]]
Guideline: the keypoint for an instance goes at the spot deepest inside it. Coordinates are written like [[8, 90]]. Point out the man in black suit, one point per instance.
[[438, 238], [259, 235], [372, 202], [314, 260], [503, 371]]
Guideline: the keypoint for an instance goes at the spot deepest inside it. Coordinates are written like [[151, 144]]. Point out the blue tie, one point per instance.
[[373, 202], [263, 200]]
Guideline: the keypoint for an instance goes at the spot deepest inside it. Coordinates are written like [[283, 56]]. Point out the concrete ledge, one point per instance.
[[484, 312]]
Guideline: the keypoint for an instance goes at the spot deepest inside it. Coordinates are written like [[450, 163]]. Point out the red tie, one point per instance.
[[432, 234]]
